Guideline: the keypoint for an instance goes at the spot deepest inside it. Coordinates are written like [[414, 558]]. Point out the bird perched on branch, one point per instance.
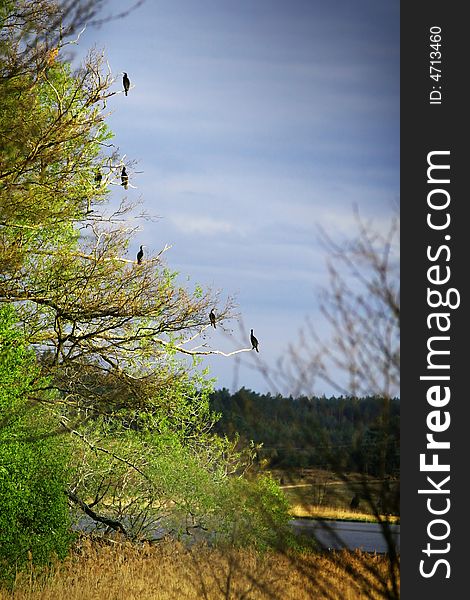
[[98, 178], [140, 255], [124, 178], [212, 318], [126, 82], [254, 342]]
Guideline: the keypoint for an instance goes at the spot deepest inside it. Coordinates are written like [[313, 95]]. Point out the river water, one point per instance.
[[333, 535], [348, 534]]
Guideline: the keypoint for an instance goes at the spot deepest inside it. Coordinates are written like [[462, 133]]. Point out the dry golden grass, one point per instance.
[[322, 494], [173, 572], [338, 514]]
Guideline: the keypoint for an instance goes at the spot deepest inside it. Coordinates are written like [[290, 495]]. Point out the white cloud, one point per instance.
[[189, 223]]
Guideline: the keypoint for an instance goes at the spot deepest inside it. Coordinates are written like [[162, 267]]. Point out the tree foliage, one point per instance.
[[108, 332], [312, 432], [34, 520], [64, 260], [90, 310]]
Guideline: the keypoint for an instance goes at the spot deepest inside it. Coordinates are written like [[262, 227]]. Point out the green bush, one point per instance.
[[34, 518]]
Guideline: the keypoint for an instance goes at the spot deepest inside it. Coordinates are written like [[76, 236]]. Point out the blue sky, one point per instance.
[[253, 123]]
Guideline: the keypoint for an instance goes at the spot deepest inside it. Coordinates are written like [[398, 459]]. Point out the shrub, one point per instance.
[[34, 520]]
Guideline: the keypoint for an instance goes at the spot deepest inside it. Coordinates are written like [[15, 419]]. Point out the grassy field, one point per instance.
[[114, 570], [322, 494], [170, 571]]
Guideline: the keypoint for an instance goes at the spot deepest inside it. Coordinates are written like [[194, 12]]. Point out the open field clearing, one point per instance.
[[322, 494], [335, 514], [170, 571]]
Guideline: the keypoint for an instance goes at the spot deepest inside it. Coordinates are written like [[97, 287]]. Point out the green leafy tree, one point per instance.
[[110, 333], [34, 517], [64, 259]]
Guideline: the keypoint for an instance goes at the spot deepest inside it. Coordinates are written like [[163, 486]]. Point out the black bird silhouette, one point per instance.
[[140, 255], [98, 178], [126, 83], [212, 318], [124, 178], [254, 341]]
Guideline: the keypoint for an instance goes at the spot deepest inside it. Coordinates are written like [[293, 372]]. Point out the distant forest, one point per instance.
[[352, 434]]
